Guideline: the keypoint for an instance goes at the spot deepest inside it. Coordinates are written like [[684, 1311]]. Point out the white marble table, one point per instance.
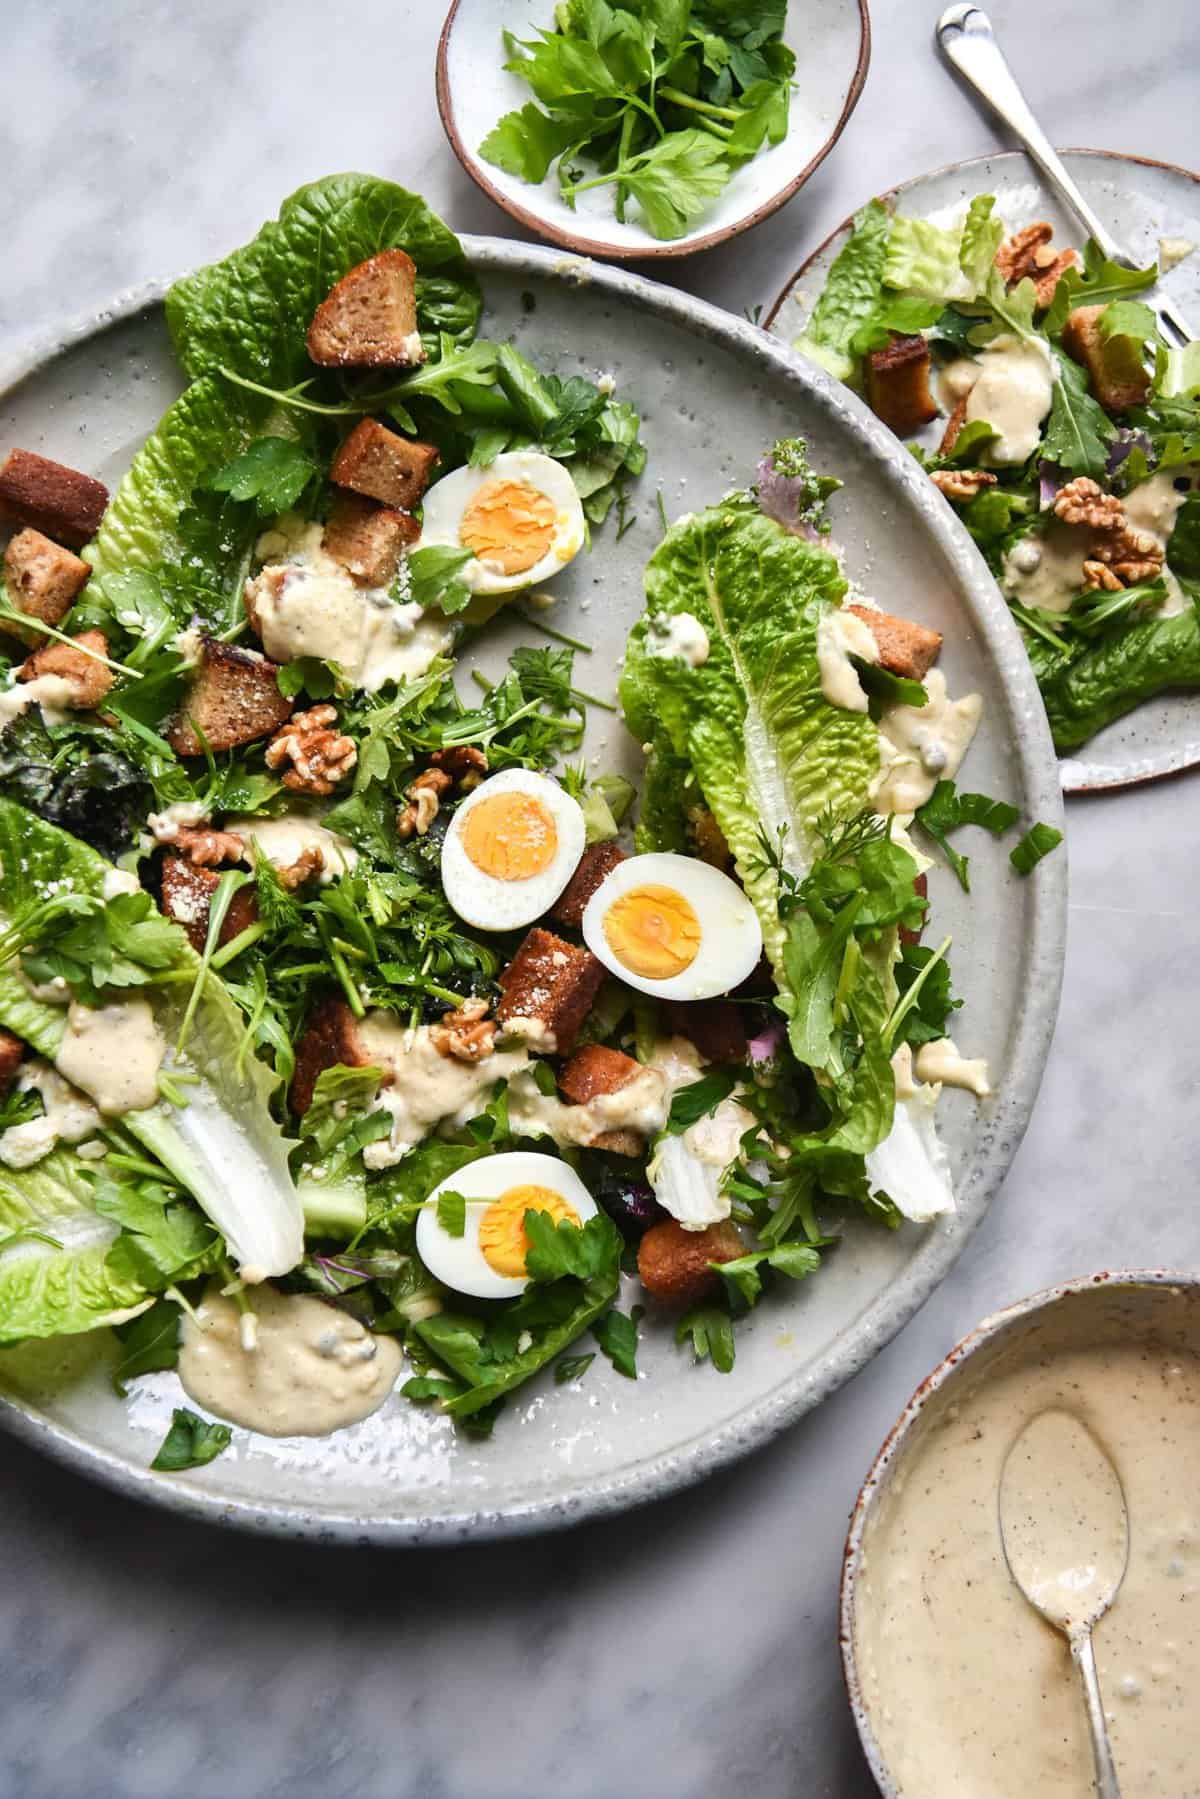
[[687, 1650]]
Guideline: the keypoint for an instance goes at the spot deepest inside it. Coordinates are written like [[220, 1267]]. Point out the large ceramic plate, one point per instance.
[[1142, 202], [832, 42], [713, 390]]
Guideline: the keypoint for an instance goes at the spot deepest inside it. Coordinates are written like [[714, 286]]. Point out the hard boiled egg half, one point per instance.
[[520, 517], [673, 927], [510, 849], [488, 1260]]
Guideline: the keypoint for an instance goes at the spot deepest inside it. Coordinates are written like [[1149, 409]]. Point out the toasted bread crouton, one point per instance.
[[368, 540], [376, 462], [1114, 367], [52, 498], [593, 1070], [596, 861], [552, 982], [187, 893], [330, 1038], [674, 1263], [42, 579], [369, 319], [11, 1052], [921, 889], [897, 384], [233, 698], [905, 648], [89, 678], [713, 1026]]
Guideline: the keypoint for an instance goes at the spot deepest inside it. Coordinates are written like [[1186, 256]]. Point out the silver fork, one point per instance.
[[966, 39]]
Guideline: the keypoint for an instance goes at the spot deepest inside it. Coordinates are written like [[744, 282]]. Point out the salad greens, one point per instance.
[[1100, 651], [663, 99]]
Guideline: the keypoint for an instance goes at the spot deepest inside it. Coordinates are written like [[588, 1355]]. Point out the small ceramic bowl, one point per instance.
[[832, 41], [1151, 1307]]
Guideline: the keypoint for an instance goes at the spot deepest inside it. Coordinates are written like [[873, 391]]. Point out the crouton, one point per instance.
[[368, 320], [954, 425], [714, 1026], [921, 889], [1114, 367], [90, 679], [905, 648], [233, 698], [376, 462], [368, 540], [11, 1052], [552, 981], [596, 862], [330, 1038], [52, 498], [187, 893], [674, 1263], [591, 1071], [897, 384], [42, 579]]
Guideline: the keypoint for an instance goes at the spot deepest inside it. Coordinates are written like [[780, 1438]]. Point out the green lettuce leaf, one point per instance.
[[59, 1286], [251, 311], [923, 258], [851, 294], [1118, 671], [769, 753]]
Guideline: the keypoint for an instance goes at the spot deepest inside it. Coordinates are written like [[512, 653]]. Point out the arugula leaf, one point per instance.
[[572, 1367], [698, 1099], [149, 1342], [617, 1335], [1096, 282], [711, 1332], [273, 472], [191, 1442], [1078, 431], [1128, 318], [452, 1213], [1037, 842], [886, 689], [562, 1248]]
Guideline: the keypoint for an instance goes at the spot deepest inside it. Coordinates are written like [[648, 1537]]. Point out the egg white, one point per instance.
[[493, 905], [447, 500], [730, 934], [459, 1262]]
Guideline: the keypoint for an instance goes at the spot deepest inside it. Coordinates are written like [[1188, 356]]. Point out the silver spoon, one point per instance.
[[966, 39], [1065, 1529]]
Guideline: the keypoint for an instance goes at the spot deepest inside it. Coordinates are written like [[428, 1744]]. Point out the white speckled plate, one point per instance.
[[832, 41], [713, 390], [1141, 201]]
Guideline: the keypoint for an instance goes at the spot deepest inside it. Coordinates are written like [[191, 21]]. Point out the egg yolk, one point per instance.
[[653, 931], [509, 525], [510, 836], [502, 1236]]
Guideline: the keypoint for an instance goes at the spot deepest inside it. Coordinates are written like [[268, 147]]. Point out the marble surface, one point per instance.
[[687, 1650]]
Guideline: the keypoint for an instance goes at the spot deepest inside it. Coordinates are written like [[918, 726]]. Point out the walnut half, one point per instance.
[[313, 754], [467, 1035], [962, 483]]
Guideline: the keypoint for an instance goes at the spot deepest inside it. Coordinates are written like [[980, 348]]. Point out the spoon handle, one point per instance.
[[1107, 1786]]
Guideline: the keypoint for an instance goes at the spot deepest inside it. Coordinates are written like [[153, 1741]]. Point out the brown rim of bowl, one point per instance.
[[587, 246], [880, 1469], [949, 168], [1189, 756]]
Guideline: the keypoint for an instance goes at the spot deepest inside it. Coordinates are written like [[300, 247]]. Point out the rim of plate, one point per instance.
[[692, 1459], [1078, 775], [989, 1328], [592, 246]]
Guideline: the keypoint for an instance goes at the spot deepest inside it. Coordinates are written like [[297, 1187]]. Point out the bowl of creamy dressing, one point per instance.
[[956, 1684]]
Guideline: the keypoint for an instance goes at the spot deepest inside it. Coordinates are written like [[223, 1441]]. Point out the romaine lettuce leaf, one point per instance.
[[61, 1286], [944, 264], [851, 294], [224, 1147], [251, 311], [1115, 673], [769, 753]]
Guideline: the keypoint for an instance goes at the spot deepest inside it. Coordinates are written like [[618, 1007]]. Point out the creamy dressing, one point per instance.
[[166, 825], [1008, 386], [941, 1062], [422, 1088], [53, 693], [922, 745], [68, 1117], [306, 604], [313, 1369], [1153, 507], [113, 1053], [841, 635], [284, 840], [679, 638], [641, 1105], [1046, 570], [971, 1693]]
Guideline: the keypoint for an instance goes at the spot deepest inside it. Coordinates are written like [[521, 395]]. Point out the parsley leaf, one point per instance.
[[428, 578], [191, 1442], [698, 1099], [571, 1367], [711, 1332], [617, 1336], [526, 142], [273, 472], [162, 1239], [452, 1213], [947, 810], [1037, 842], [562, 1248], [742, 1278], [149, 1342], [925, 1021]]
